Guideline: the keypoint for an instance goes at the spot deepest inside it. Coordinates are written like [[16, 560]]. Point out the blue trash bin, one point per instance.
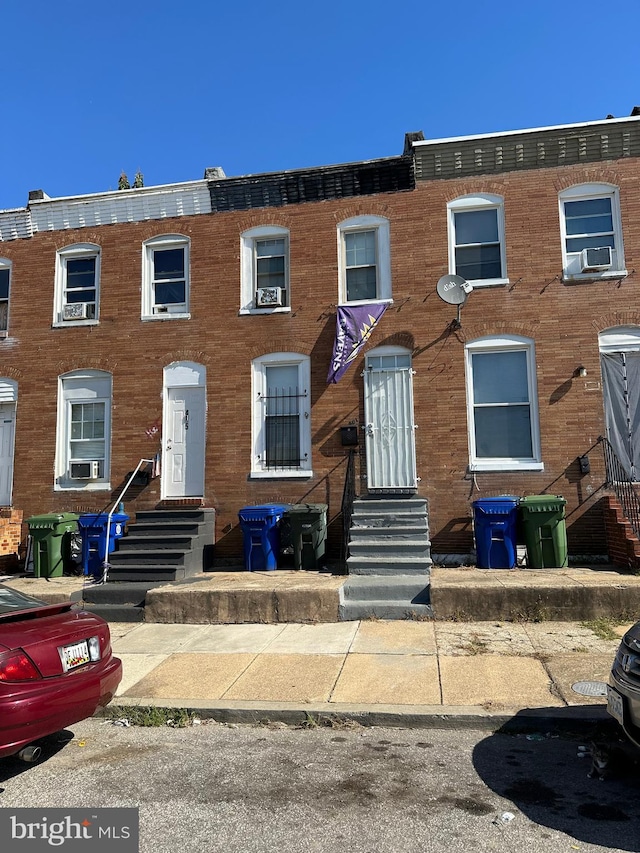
[[495, 522], [93, 528], [261, 536]]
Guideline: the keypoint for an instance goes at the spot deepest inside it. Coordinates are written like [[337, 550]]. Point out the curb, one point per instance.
[[577, 718]]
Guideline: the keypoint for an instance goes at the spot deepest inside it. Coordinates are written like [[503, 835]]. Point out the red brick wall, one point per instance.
[[563, 320]]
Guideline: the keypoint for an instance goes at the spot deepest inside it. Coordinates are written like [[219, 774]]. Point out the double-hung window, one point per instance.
[[591, 232], [476, 239], [281, 416], [84, 426], [77, 285], [364, 260], [502, 404], [165, 275], [264, 270], [5, 281]]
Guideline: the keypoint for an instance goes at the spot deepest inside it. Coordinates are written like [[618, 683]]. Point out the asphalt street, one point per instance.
[[214, 787]]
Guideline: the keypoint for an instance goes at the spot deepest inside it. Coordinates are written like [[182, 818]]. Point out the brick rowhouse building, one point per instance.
[[212, 304]]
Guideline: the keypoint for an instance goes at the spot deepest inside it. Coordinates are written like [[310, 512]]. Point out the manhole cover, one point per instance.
[[590, 688]]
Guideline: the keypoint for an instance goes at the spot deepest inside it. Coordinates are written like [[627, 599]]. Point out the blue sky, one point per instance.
[[169, 88]]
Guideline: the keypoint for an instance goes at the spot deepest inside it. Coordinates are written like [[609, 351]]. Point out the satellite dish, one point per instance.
[[453, 289]]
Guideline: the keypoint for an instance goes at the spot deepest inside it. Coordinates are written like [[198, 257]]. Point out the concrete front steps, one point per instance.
[[116, 602], [397, 597], [165, 545], [623, 544], [389, 559]]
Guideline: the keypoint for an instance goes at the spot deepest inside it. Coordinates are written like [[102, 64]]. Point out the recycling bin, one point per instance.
[[93, 528], [261, 536], [495, 524], [51, 536], [545, 531], [307, 524]]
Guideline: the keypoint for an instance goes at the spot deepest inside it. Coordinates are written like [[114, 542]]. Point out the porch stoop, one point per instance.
[[389, 559], [623, 544], [165, 545]]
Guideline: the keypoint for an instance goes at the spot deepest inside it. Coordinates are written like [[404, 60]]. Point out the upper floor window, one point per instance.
[[364, 259], [5, 282], [84, 429], [281, 415], [264, 270], [77, 284], [165, 278], [502, 404], [591, 232], [476, 239]]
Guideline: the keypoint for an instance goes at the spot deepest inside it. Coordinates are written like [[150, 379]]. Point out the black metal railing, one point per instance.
[[348, 497], [619, 480]]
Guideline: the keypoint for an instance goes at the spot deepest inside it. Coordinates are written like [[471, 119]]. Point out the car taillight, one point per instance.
[[16, 666]]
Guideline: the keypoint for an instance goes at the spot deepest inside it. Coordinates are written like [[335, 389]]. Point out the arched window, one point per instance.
[[591, 232], [77, 285], [165, 278], [264, 270], [364, 260], [476, 239]]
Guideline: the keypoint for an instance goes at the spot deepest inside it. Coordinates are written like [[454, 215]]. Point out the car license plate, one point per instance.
[[615, 704], [75, 655]]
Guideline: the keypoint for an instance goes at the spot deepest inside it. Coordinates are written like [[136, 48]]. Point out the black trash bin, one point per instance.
[[308, 531]]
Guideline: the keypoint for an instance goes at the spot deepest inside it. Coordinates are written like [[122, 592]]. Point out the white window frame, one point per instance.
[[6, 264], [469, 204], [249, 268], [149, 247], [258, 415], [76, 252], [383, 257], [503, 344], [81, 386], [571, 269]]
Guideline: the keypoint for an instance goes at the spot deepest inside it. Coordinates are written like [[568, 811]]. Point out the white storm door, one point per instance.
[[183, 464], [7, 432], [389, 429]]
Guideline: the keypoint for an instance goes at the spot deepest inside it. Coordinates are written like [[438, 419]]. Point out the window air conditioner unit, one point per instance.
[[269, 297], [592, 260], [85, 470], [75, 311]]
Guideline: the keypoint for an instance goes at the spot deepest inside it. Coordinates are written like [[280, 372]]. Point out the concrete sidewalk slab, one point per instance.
[[395, 638], [199, 676], [288, 678], [135, 667], [314, 639], [567, 669], [385, 679], [229, 639], [157, 639], [472, 638], [498, 681], [558, 637]]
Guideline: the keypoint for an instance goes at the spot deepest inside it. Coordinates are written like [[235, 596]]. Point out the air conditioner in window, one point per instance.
[[269, 297], [75, 311], [170, 308], [592, 260], [89, 470]]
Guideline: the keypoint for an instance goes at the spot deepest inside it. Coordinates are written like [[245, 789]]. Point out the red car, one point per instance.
[[56, 668]]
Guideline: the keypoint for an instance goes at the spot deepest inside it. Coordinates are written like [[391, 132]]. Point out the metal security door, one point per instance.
[[389, 428], [183, 464], [7, 431], [621, 388]]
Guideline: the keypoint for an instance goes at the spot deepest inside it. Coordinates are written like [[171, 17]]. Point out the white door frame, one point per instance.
[[390, 427], [9, 398], [183, 375]]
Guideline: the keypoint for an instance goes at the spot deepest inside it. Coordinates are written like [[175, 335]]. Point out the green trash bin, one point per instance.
[[307, 528], [545, 531], [51, 539]]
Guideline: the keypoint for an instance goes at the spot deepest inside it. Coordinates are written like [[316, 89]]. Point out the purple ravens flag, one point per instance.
[[353, 329]]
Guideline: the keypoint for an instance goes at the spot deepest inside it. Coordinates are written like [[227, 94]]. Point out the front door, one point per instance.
[[183, 463], [389, 424], [7, 432], [621, 388]]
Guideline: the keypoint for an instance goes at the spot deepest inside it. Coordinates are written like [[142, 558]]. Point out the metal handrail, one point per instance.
[[348, 496], [623, 486], [105, 562]]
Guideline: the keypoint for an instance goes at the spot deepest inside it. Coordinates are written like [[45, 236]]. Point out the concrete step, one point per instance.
[[376, 505], [117, 612], [149, 556], [156, 573], [114, 592], [380, 547], [405, 588], [165, 528], [160, 541], [177, 515], [387, 531], [391, 565], [353, 610]]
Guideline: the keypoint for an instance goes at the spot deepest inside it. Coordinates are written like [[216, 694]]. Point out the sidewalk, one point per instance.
[[400, 672]]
